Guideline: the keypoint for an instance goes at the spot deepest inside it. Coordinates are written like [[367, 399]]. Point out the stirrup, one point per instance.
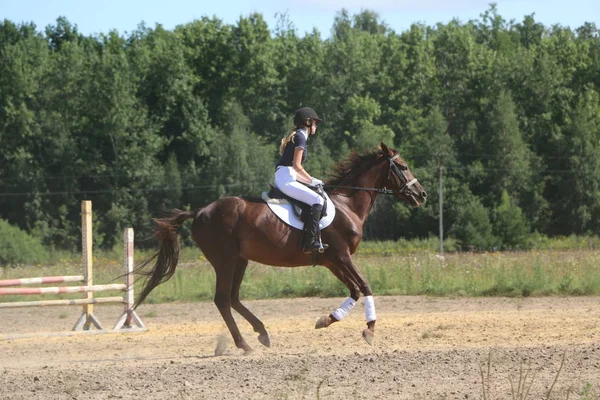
[[321, 248]]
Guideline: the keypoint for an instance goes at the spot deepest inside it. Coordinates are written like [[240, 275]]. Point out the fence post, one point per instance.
[[129, 316], [87, 318], [441, 211]]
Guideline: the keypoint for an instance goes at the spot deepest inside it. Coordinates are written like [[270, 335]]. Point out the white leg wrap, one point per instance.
[[345, 308], [370, 309]]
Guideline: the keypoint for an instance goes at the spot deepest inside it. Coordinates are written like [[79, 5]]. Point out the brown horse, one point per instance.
[[232, 230]]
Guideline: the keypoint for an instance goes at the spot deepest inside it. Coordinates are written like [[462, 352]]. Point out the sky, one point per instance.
[[93, 17]]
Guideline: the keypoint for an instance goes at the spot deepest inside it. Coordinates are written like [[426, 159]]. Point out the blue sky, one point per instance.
[[125, 15]]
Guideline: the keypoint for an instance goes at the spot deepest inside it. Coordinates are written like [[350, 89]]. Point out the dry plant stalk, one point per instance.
[[562, 363], [525, 382]]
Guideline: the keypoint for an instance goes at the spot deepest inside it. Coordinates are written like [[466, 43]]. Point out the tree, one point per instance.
[[511, 163], [257, 88], [510, 225], [241, 162], [531, 32], [161, 118], [473, 228], [360, 114], [576, 195]]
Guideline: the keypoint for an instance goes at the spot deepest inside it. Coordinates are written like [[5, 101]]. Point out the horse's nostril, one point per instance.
[[424, 194]]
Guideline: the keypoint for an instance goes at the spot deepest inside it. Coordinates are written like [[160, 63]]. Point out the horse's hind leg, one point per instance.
[[225, 272], [259, 327]]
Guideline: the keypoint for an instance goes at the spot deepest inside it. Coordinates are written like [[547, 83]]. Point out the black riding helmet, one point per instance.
[[304, 113]]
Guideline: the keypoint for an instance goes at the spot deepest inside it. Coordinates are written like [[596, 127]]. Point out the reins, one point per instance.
[[395, 169], [380, 191]]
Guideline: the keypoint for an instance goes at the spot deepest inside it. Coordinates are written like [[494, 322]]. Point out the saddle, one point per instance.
[[301, 210]]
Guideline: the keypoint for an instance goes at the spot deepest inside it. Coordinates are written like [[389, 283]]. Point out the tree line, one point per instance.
[[157, 119]]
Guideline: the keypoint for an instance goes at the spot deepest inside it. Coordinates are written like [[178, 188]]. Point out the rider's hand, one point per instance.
[[316, 182]]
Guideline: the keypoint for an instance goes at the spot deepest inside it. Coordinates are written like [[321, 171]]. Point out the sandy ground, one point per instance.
[[425, 348]]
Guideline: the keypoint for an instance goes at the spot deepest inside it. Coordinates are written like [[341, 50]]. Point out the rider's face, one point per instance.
[[313, 127]]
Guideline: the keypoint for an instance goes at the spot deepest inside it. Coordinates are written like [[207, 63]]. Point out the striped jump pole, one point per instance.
[[62, 302], [62, 289], [41, 281]]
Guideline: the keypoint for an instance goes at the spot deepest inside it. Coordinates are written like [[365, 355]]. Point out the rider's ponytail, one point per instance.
[[289, 137]]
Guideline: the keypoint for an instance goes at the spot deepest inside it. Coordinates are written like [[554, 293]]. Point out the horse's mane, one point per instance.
[[355, 164]]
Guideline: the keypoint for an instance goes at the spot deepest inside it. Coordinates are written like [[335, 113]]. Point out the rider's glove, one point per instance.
[[316, 182]]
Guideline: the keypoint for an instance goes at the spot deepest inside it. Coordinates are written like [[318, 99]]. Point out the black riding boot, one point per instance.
[[311, 238]]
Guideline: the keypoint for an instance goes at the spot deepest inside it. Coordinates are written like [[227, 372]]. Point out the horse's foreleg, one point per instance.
[[370, 314], [259, 327], [348, 304], [345, 270]]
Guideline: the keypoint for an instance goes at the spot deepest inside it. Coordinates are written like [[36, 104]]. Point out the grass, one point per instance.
[[389, 271], [588, 392]]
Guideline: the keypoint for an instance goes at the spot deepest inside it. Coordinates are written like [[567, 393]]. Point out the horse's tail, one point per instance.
[[167, 256]]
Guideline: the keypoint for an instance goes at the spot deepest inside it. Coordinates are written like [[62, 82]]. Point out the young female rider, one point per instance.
[[289, 172]]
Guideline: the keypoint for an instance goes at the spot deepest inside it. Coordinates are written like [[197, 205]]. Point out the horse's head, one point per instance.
[[400, 180]]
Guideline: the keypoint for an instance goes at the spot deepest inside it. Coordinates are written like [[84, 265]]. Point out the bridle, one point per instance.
[[393, 167], [406, 185]]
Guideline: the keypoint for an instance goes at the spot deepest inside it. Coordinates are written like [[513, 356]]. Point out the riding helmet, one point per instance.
[[304, 113]]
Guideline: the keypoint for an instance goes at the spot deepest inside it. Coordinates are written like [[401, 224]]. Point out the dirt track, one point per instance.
[[425, 348]]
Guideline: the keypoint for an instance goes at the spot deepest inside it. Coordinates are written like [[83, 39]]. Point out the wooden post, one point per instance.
[[441, 212], [129, 316], [128, 262], [87, 249], [87, 318]]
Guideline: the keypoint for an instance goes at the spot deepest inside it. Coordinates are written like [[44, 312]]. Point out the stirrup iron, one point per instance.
[[322, 247]]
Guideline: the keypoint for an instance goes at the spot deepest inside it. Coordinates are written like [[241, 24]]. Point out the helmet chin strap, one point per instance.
[[309, 126]]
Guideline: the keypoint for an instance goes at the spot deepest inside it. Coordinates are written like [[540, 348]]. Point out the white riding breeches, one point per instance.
[[285, 180]]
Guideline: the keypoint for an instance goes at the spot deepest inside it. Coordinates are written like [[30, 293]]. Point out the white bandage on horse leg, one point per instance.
[[345, 308], [370, 309]]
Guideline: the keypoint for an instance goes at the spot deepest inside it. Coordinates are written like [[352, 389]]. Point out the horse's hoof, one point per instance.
[[323, 322], [249, 351], [264, 339], [368, 335]]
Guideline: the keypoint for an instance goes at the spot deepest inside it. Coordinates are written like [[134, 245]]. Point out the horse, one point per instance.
[[234, 230]]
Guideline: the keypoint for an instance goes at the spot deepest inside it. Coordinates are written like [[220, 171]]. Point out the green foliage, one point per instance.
[[17, 247], [360, 114], [473, 228], [579, 200], [241, 162], [510, 225], [157, 119]]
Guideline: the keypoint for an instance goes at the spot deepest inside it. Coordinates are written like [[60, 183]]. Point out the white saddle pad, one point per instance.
[[283, 209]]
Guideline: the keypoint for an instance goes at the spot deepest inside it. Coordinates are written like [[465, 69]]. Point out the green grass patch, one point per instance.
[[388, 270]]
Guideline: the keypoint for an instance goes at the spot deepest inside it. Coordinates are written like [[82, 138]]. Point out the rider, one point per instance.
[[289, 172]]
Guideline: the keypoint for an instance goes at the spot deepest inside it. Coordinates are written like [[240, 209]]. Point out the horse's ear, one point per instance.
[[385, 149]]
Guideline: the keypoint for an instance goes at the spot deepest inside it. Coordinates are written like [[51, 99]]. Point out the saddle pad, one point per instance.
[[283, 209]]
